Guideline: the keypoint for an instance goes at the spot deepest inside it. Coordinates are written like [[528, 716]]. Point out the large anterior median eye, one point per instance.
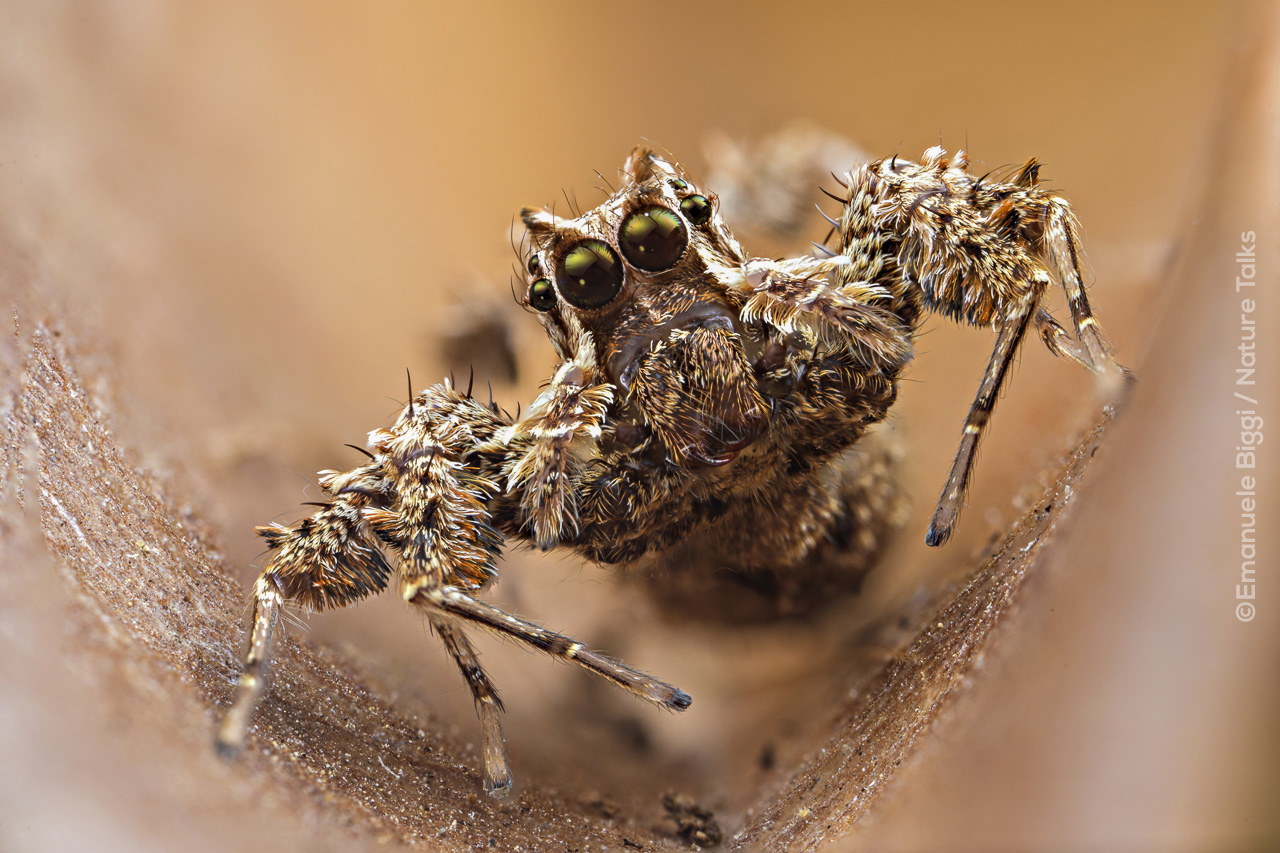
[[652, 239], [589, 275]]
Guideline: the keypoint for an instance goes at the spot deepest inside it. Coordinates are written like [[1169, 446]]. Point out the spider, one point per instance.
[[706, 408]]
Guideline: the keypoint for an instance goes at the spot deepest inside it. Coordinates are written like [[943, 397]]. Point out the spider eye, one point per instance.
[[589, 275], [697, 209], [652, 239], [678, 184], [542, 296], [535, 265]]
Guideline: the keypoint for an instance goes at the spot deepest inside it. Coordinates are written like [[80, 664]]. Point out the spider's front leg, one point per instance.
[[545, 458], [979, 251], [429, 493], [799, 293], [441, 528], [547, 449], [415, 494]]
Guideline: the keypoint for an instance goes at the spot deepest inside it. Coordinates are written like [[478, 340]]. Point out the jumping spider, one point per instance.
[[705, 406]]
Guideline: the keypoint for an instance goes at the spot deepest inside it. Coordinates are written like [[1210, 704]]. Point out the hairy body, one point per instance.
[[706, 415]]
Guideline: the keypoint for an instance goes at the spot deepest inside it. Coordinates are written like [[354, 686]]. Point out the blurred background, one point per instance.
[[261, 214]]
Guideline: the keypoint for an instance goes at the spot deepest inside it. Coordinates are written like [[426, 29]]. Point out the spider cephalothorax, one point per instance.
[[729, 379], [705, 415], [634, 295]]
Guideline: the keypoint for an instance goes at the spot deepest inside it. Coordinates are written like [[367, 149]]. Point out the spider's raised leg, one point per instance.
[[546, 449], [327, 560], [978, 251], [1013, 329], [1062, 250]]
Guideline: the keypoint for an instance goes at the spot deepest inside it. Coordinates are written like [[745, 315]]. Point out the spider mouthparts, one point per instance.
[[711, 461], [725, 453], [629, 352]]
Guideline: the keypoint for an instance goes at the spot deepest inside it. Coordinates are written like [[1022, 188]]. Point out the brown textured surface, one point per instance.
[[157, 619], [224, 234]]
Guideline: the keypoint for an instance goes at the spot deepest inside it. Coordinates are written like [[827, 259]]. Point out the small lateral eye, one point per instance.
[[679, 184], [542, 296], [652, 239], [589, 275], [697, 209], [535, 265]]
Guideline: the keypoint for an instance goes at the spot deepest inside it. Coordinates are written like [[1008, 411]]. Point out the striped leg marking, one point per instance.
[[497, 769], [453, 602], [268, 597], [1012, 332]]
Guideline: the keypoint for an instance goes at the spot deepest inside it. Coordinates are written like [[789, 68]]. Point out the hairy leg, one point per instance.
[[457, 604], [1012, 331], [497, 769]]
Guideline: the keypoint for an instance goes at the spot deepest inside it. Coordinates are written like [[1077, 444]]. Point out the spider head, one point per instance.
[[634, 292]]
